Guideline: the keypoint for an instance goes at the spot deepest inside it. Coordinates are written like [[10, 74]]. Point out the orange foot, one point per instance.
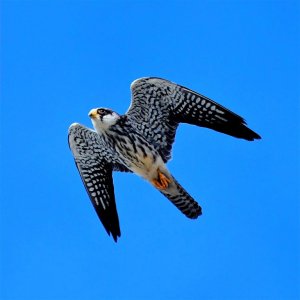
[[162, 181]]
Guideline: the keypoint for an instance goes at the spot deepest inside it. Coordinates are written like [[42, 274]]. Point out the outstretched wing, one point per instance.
[[95, 163], [158, 106]]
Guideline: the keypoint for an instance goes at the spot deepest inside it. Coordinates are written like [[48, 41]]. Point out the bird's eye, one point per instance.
[[100, 111]]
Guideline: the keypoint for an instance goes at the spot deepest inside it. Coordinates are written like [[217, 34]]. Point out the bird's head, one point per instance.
[[103, 118]]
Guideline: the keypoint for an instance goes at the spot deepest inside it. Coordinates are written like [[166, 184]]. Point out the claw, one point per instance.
[[162, 181]]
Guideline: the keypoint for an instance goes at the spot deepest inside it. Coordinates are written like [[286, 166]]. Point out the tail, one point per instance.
[[182, 200]]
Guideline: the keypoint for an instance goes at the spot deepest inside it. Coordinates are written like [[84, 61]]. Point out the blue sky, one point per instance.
[[59, 60]]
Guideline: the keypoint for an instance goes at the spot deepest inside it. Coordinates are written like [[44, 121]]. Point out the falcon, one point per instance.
[[140, 141]]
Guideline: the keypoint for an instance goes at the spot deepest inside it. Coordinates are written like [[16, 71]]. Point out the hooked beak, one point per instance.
[[93, 113]]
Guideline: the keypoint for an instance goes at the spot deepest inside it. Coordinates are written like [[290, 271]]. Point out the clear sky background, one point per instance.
[[59, 60]]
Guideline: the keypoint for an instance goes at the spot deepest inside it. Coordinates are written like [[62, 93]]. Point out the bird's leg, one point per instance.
[[162, 181]]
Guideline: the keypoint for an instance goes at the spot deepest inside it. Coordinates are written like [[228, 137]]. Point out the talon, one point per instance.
[[162, 181]]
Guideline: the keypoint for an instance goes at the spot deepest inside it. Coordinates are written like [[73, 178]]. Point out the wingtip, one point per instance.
[[115, 236], [239, 131], [257, 137], [252, 136]]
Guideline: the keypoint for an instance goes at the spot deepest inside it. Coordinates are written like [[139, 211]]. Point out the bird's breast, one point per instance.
[[137, 154]]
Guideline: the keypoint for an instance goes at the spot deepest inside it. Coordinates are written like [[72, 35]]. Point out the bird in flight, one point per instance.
[[141, 142]]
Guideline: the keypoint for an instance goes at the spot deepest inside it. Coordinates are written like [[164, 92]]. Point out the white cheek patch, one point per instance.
[[110, 119]]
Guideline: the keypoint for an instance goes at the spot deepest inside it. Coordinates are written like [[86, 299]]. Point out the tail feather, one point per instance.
[[182, 200]]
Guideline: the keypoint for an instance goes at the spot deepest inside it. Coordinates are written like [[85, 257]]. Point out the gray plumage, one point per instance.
[[141, 142]]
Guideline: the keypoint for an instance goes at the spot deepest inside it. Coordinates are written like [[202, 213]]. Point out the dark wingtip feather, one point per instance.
[[236, 129], [115, 236], [111, 226], [114, 231], [255, 136], [245, 133]]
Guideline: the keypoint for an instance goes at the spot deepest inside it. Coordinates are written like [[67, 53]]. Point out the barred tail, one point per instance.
[[182, 200]]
